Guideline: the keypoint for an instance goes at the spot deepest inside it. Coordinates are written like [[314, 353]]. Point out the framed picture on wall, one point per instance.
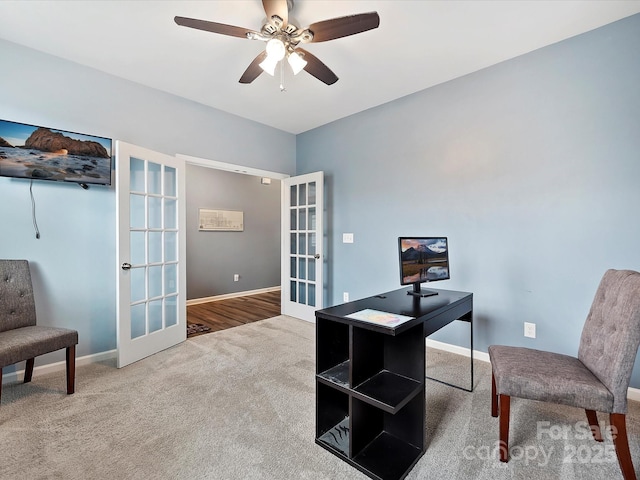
[[220, 220]]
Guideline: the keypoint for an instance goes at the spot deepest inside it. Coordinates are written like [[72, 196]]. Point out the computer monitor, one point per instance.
[[423, 259]]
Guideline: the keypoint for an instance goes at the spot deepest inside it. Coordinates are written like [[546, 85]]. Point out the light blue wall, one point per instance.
[[530, 167], [74, 261]]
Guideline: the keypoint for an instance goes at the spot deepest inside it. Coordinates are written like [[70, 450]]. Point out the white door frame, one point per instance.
[[230, 167]]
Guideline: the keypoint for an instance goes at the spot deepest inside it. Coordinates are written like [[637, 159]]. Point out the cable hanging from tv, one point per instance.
[[33, 210]]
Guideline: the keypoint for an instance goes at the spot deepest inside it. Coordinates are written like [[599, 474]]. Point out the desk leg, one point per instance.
[[466, 318], [471, 336]]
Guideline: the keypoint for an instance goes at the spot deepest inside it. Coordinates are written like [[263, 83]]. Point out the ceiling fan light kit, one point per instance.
[[296, 62], [275, 52], [283, 39]]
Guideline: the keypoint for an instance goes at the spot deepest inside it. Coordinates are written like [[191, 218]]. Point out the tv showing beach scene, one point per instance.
[[29, 151]]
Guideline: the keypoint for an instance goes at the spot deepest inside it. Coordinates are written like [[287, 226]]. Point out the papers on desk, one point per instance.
[[377, 317]]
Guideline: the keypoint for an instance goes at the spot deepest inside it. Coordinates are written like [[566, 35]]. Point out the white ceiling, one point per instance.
[[420, 43]]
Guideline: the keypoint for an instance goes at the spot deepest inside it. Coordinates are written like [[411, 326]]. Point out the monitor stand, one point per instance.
[[418, 292]]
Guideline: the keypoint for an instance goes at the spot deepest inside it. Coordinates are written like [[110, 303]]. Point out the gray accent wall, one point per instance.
[[74, 260], [254, 253], [530, 167]]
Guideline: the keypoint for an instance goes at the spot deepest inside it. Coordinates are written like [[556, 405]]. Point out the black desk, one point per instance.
[[370, 379]]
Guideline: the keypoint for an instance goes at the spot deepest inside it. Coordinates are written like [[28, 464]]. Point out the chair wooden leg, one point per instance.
[[494, 397], [28, 370], [503, 444], [592, 417], [71, 369], [621, 442]]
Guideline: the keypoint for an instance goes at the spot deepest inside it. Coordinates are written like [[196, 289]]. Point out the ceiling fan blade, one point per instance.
[[214, 27], [318, 69], [276, 7], [254, 70], [343, 26]]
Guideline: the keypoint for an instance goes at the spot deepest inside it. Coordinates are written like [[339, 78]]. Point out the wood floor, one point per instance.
[[232, 312]]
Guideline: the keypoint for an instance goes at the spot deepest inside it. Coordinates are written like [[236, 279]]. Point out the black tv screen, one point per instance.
[[423, 259], [29, 151]]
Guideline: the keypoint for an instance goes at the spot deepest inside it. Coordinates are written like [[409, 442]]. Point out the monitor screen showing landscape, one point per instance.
[[423, 259], [29, 151]]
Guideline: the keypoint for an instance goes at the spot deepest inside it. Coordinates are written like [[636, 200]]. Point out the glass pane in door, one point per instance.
[[170, 246], [312, 193], [155, 212], [155, 281], [170, 181], [137, 211], [312, 295], [136, 175], [138, 284], [171, 310], [170, 279], [155, 178], [138, 251], [138, 322], [155, 316], [155, 247]]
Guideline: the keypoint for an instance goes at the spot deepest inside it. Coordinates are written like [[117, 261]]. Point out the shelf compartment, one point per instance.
[[334, 338], [384, 445], [332, 407], [337, 438], [388, 391], [373, 353], [388, 457], [338, 375]]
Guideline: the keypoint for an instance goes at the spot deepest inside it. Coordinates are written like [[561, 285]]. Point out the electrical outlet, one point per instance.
[[236, 277], [529, 330], [345, 296]]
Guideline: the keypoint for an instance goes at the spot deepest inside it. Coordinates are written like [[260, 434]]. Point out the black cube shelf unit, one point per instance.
[[370, 378]]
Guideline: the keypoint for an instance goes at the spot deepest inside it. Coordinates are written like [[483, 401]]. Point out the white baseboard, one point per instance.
[[215, 298], [632, 393], [18, 375], [447, 347]]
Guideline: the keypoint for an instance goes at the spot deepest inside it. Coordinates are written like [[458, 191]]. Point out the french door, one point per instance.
[[302, 241], [150, 225]]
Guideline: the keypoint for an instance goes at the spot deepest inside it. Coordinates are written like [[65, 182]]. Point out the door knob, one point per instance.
[[126, 266], [317, 255]]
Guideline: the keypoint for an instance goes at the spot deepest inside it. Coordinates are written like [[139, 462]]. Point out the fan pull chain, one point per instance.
[[282, 89]]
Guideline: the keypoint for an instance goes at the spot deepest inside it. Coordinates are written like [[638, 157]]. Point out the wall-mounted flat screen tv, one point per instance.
[[29, 151], [423, 259]]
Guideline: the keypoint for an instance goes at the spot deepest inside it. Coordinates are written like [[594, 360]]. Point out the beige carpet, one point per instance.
[[240, 404]]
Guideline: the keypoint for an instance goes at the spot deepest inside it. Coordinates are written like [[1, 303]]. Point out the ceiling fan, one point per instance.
[[283, 39]]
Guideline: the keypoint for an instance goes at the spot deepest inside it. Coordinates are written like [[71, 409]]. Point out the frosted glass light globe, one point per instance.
[[275, 49]]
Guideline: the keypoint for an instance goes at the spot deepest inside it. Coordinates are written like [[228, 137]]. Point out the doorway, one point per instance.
[[235, 267], [301, 236]]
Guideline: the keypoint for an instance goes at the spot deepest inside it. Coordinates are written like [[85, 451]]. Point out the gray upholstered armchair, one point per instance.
[[597, 380], [20, 337]]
